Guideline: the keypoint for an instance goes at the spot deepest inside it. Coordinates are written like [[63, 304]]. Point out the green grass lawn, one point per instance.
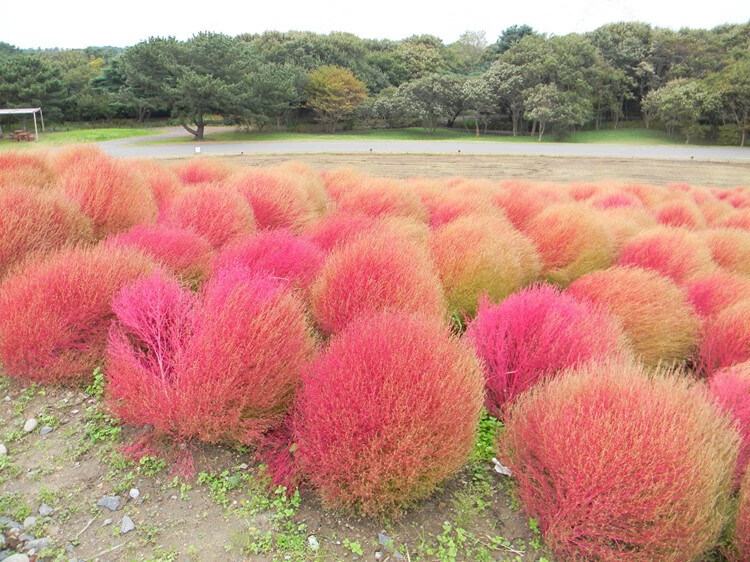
[[79, 136], [620, 136]]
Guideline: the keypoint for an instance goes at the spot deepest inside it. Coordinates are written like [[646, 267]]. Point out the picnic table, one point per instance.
[[21, 135]]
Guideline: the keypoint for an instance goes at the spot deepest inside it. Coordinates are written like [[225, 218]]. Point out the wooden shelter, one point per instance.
[[26, 111]]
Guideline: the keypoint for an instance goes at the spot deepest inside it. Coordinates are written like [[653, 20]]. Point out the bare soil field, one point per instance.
[[543, 168]]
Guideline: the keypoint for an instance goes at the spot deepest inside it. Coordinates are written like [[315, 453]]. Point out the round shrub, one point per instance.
[[220, 368], [309, 182], [375, 272], [387, 412], [337, 229], [572, 240], [108, 192], [162, 182], [675, 253], [338, 182], [726, 338], [55, 312], [217, 213], [711, 293], [619, 465], [523, 200], [481, 255], [382, 197], [730, 248], [657, 319], [730, 388], [680, 214], [278, 253], [615, 200], [534, 334], [738, 219], [202, 170], [37, 221], [25, 169], [182, 251], [277, 200], [445, 204], [624, 223], [714, 210]]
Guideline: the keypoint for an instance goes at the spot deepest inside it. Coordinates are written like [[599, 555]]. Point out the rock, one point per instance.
[[46, 430], [29, 522], [8, 522], [384, 540], [3, 450], [126, 525], [399, 556], [107, 521], [25, 537], [174, 497], [134, 493], [30, 425], [109, 502], [39, 544], [17, 558], [313, 542], [45, 510], [378, 555], [69, 547], [75, 411], [243, 466]]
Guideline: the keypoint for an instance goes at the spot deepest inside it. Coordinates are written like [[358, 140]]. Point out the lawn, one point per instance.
[[622, 136], [80, 136]]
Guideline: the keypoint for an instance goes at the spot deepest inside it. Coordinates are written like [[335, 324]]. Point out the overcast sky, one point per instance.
[[80, 23]]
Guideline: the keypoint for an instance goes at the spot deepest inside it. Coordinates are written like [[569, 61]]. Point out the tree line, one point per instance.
[[691, 82]]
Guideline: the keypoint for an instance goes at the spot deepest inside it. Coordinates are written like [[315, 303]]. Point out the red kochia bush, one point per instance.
[[182, 251], [223, 368], [681, 214], [277, 200], [55, 313], [32, 220], [277, 253], [730, 388], [534, 334], [386, 412], [738, 219], [202, 170], [742, 524], [619, 465], [25, 168], [713, 292], [217, 213], [726, 338], [337, 229], [382, 197], [673, 252], [108, 192], [730, 248], [659, 322], [375, 272]]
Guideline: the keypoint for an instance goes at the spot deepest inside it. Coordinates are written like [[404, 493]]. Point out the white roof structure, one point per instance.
[[21, 111], [26, 111]]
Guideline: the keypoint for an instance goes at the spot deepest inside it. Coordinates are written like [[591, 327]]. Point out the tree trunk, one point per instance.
[[533, 128], [476, 123], [200, 127], [541, 130]]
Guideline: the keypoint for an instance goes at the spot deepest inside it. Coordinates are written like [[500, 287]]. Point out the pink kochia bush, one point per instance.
[[32, 220], [713, 292], [216, 212], [726, 338], [375, 272], [536, 333], [55, 312], [742, 524], [673, 252], [108, 192], [655, 314], [730, 388], [387, 412], [617, 463], [182, 251], [220, 366], [278, 253], [338, 229]]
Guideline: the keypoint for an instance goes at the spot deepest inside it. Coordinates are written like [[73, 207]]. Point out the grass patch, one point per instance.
[[625, 136], [79, 136]]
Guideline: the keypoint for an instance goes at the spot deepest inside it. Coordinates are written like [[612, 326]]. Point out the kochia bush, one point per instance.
[[730, 248], [55, 312], [713, 292], [37, 221], [338, 229], [216, 212], [618, 464], [730, 388], [726, 338], [375, 272], [673, 252], [536, 333], [742, 523], [382, 197], [25, 169], [387, 412], [290, 259], [659, 322], [481, 255], [220, 368]]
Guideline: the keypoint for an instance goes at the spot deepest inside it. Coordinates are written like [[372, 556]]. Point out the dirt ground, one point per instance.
[[556, 169]]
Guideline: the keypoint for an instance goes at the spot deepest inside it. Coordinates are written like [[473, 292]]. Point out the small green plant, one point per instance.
[[536, 542], [46, 496], [14, 506], [150, 466], [48, 419], [22, 401], [353, 546], [100, 427], [221, 484], [96, 388]]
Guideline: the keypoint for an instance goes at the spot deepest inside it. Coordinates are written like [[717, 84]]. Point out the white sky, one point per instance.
[[80, 23]]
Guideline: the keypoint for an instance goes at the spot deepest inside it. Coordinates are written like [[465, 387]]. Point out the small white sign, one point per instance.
[[197, 149]]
